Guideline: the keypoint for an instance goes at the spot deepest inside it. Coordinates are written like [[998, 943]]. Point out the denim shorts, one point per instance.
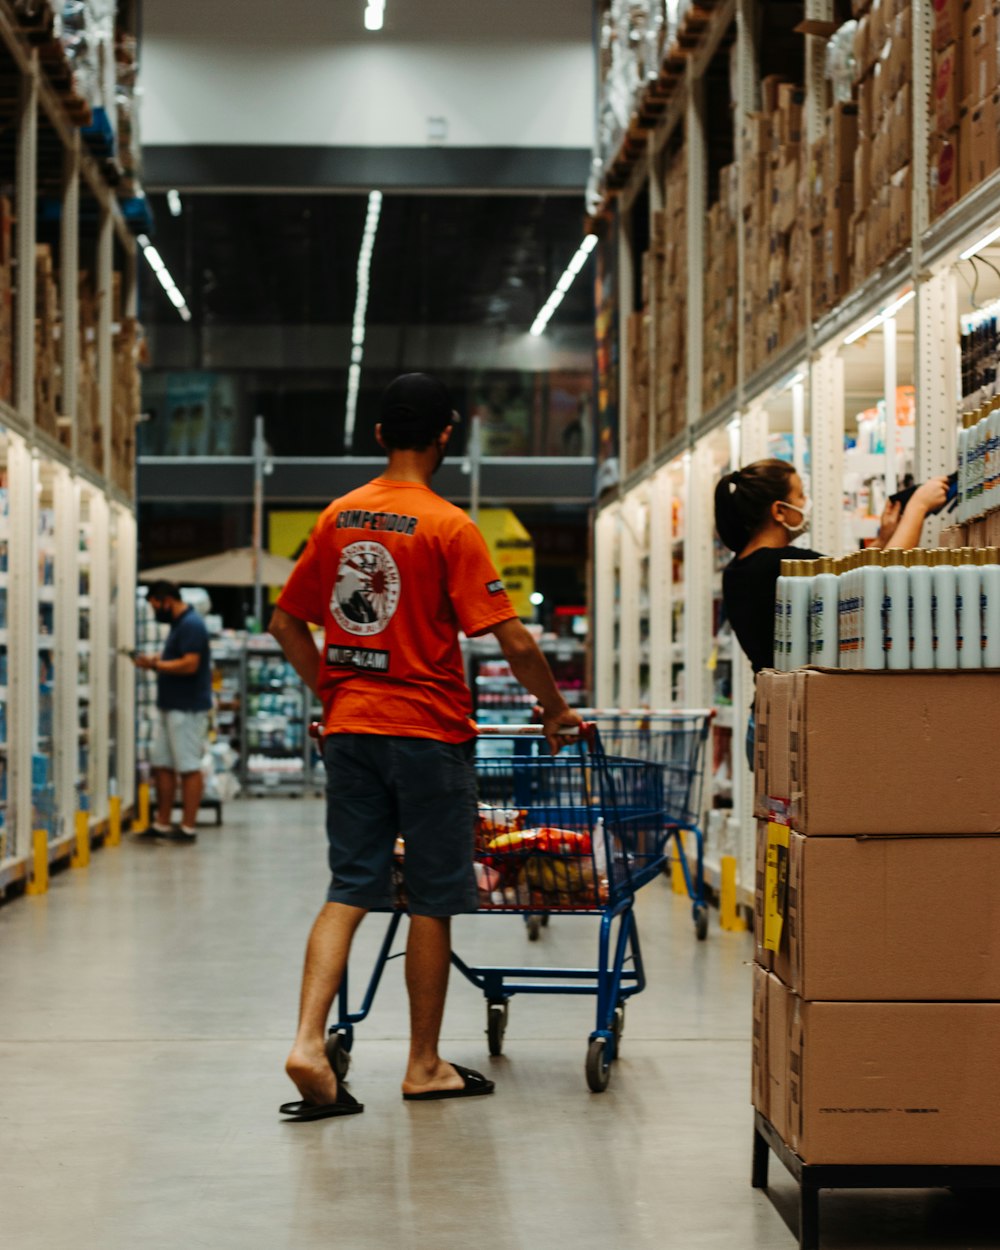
[[379, 788]]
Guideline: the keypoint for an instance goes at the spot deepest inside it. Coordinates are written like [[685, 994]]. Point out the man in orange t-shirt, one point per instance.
[[392, 572]]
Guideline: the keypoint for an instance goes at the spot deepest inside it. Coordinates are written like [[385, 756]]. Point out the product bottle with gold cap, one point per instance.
[[824, 615], [944, 594], [896, 610], [797, 613], [919, 576], [872, 591], [968, 609], [780, 615], [989, 562], [978, 446], [962, 507], [990, 498], [848, 590]]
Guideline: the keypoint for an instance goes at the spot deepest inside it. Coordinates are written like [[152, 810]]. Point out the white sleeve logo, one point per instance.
[[366, 593]]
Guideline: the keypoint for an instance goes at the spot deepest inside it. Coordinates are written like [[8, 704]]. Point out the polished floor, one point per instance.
[[146, 1005]]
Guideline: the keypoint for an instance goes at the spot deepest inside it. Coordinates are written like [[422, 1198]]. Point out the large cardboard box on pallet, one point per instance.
[[870, 752], [878, 1083], [885, 918]]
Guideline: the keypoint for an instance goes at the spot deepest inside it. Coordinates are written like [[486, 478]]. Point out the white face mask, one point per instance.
[[805, 512]]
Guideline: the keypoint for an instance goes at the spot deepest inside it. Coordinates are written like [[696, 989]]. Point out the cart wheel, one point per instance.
[[618, 1027], [496, 1026], [338, 1055], [598, 1068], [534, 927], [701, 922]]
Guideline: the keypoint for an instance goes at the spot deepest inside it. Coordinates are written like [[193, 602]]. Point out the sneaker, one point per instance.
[[180, 834]]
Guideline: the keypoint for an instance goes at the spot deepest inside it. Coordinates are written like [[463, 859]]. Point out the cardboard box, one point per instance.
[[879, 1083], [978, 60], [947, 22], [977, 146], [843, 749], [843, 139], [890, 919], [946, 89], [945, 173]]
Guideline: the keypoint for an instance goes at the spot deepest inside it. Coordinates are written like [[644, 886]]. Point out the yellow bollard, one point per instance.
[[38, 881], [114, 835], [140, 822], [676, 871], [81, 856], [729, 913]]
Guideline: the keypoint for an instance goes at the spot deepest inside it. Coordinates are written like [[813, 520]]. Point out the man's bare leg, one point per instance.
[[192, 786], [166, 788], [428, 960], [326, 958]]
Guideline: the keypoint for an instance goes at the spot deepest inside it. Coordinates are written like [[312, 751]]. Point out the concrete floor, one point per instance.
[[146, 1006]]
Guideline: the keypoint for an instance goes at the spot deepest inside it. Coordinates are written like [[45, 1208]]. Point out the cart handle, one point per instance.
[[583, 733]]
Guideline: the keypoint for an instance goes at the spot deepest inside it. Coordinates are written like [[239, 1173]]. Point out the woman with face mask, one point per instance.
[[759, 511]]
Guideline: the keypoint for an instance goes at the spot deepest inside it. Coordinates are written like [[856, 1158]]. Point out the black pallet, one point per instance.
[[812, 1177]]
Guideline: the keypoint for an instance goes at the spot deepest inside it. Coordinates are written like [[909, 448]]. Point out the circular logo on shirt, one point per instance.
[[366, 592]]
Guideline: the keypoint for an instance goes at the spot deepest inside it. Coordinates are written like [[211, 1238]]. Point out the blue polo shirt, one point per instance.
[[176, 692]]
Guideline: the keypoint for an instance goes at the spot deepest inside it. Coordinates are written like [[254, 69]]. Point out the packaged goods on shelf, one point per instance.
[[91, 441], [864, 916], [895, 610], [637, 425], [128, 100], [824, 752], [816, 1066], [48, 332], [980, 358], [668, 279], [87, 34], [6, 300], [720, 312]]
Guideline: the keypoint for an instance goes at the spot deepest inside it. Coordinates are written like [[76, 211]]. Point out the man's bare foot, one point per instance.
[[422, 1080], [313, 1077]]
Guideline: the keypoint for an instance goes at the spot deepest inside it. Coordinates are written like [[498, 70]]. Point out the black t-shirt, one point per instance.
[[748, 589], [183, 692]]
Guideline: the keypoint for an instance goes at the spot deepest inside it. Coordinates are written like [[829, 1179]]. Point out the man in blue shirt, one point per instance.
[[184, 700]]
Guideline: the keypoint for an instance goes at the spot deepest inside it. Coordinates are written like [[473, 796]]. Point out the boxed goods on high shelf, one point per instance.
[[669, 291], [853, 989], [638, 374], [126, 392], [48, 333], [6, 300], [772, 198], [127, 100], [88, 412], [720, 356]]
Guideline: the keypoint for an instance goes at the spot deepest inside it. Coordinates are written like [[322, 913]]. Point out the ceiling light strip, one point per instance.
[[564, 284], [156, 263], [360, 313], [374, 14], [976, 248], [887, 314]]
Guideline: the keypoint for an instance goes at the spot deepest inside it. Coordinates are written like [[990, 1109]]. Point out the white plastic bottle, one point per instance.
[[991, 457], [851, 619], [871, 590], [797, 613], [982, 459], [824, 615], [944, 594], [843, 564], [988, 559], [781, 615], [968, 609], [962, 511], [896, 610], [919, 576]]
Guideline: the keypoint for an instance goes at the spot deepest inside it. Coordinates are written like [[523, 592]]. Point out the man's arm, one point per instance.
[[296, 641], [184, 666], [531, 669]]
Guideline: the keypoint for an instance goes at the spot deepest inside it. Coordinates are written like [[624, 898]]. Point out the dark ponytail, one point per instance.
[[743, 499]]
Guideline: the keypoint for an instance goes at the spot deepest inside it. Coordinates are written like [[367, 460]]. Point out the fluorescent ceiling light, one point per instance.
[[887, 314], [564, 284], [374, 14], [174, 203], [156, 263], [978, 247], [360, 312]]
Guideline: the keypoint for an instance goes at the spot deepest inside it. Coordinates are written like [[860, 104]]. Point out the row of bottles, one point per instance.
[[891, 610], [980, 358], [979, 462]]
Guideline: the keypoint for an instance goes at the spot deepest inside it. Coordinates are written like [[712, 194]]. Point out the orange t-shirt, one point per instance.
[[392, 571]]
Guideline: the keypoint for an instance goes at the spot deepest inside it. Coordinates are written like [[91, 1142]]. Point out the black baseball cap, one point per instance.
[[414, 409]]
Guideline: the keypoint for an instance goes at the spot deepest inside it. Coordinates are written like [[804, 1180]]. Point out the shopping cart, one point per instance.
[[676, 741], [574, 834]]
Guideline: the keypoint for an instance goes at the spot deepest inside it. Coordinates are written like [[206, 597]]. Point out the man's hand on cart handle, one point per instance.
[[557, 726]]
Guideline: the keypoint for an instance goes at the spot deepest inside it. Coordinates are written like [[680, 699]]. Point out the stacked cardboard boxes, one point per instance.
[[88, 412], [48, 335], [877, 978], [668, 276], [6, 300], [126, 400], [775, 240], [721, 268], [637, 332], [965, 99]]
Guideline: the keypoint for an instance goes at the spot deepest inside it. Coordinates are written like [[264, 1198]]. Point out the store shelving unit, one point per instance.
[[498, 698], [276, 707], [67, 525], [799, 403]]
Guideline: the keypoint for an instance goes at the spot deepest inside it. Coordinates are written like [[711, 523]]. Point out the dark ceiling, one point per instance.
[[284, 259]]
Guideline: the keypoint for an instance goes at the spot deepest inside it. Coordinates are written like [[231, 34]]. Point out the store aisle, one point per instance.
[[145, 1011]]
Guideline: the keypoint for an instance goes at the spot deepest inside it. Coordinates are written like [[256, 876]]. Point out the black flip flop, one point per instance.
[[475, 1085], [301, 1112]]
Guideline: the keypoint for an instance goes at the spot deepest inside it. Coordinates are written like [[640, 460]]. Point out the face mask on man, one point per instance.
[[163, 616], [805, 512]]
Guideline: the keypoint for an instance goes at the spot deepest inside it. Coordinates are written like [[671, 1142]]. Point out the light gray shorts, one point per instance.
[[179, 741]]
